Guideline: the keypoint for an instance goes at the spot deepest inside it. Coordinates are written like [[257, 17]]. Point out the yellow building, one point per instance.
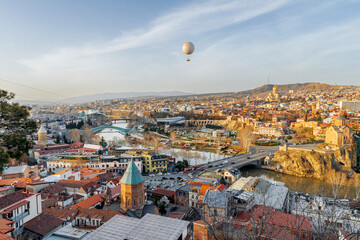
[[339, 134], [273, 96], [42, 135], [155, 163]]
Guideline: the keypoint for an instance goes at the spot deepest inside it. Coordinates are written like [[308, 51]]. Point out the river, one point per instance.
[[112, 134], [300, 184]]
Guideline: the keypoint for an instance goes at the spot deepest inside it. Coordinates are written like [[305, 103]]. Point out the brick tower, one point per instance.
[[132, 188]]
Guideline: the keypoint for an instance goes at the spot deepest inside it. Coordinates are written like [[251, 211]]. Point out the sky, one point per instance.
[[52, 49]]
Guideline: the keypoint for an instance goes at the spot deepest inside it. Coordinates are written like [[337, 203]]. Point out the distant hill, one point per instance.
[[105, 96], [307, 87]]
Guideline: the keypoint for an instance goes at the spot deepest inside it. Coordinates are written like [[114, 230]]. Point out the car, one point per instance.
[[171, 178], [248, 157], [225, 162], [232, 162]]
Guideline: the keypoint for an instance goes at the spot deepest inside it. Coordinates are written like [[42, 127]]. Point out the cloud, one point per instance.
[[192, 19]]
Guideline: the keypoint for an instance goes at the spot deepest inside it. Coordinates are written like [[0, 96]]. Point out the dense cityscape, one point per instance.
[[183, 165], [179, 120]]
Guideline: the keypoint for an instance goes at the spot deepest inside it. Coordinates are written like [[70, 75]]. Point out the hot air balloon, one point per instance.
[[188, 48]]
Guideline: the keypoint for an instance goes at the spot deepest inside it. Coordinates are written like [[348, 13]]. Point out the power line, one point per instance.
[[22, 85]]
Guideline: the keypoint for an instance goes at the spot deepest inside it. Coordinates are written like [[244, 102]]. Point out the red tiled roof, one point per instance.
[[282, 219], [64, 214], [89, 202], [104, 214], [53, 189], [176, 215], [23, 202], [43, 224], [163, 192], [76, 196], [11, 198], [5, 226], [5, 237]]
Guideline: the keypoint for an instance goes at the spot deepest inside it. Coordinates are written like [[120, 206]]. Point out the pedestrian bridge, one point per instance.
[[118, 129]]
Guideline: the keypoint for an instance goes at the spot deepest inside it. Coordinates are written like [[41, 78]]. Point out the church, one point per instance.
[[339, 133], [132, 189], [273, 96], [42, 137]]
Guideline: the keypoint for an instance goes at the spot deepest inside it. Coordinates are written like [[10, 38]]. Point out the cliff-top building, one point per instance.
[[339, 133]]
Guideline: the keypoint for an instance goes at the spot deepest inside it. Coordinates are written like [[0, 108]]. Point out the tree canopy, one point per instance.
[[15, 126]]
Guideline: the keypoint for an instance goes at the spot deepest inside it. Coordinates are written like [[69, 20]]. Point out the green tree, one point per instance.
[[162, 209], [103, 142], [15, 128], [180, 165], [186, 163]]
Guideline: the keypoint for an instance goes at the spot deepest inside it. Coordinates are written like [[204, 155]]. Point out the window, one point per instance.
[[134, 202]]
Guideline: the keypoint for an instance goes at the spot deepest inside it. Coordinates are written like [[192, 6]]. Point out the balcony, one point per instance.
[[20, 216], [18, 230]]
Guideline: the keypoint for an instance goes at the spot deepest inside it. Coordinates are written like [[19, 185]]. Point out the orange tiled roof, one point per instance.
[[197, 183], [4, 236], [11, 181], [221, 187], [88, 203], [4, 227], [204, 188]]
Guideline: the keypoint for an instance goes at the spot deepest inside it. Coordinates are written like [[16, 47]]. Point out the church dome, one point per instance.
[[42, 130], [132, 175]]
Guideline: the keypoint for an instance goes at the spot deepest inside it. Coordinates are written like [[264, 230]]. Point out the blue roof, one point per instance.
[[132, 175]]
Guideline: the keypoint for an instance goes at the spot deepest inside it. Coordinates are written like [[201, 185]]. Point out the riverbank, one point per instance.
[[301, 184]]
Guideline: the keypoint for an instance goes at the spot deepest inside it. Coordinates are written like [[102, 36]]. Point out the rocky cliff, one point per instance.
[[314, 164]]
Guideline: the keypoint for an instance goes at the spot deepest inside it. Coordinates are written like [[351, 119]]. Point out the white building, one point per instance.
[[20, 208]]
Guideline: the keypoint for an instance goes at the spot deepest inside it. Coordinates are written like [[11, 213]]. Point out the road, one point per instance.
[[238, 161]]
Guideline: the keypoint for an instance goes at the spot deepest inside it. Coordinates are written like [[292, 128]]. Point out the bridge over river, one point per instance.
[[239, 161], [95, 130]]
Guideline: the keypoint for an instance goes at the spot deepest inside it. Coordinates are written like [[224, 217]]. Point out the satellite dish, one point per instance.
[[188, 48]]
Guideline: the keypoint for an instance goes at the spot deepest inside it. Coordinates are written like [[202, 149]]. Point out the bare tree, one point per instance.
[[337, 180], [173, 137], [74, 135], [245, 137], [357, 185]]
